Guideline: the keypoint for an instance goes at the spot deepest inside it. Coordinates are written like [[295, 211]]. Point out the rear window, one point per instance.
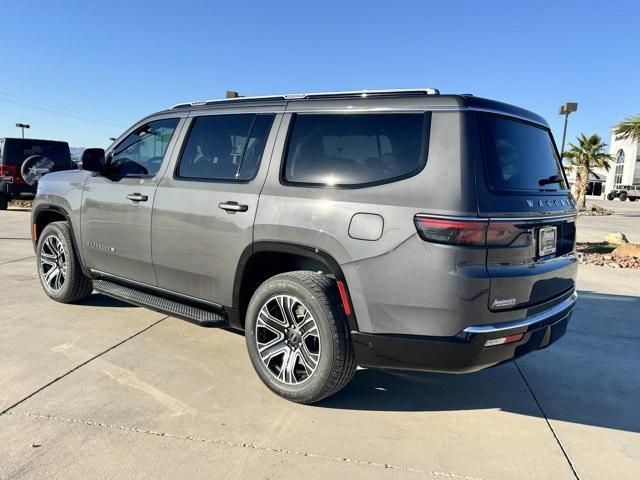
[[17, 150], [355, 149], [519, 155]]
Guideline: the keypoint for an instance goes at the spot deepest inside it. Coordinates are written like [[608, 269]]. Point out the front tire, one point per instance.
[[611, 196], [298, 338], [58, 265], [4, 201]]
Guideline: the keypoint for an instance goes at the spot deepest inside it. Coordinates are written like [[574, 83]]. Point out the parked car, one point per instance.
[[631, 192], [394, 229], [24, 161]]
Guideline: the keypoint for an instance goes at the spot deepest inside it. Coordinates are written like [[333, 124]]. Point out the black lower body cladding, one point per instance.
[[467, 351]]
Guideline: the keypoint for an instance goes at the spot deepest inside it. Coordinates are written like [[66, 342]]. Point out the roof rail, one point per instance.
[[314, 96]]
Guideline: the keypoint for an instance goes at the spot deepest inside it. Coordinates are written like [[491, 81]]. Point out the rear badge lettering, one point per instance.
[[503, 302]]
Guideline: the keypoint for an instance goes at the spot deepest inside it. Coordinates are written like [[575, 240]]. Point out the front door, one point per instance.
[[205, 206], [116, 206]]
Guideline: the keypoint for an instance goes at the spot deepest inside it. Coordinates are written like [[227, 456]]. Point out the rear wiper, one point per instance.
[[551, 179]]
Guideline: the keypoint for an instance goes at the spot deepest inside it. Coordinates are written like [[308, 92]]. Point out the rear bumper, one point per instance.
[[16, 189], [465, 352]]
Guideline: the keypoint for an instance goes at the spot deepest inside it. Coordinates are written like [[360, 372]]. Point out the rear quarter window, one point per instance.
[[519, 156], [354, 150]]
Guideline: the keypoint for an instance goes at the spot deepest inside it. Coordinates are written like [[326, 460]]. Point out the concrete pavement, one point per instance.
[[106, 390], [626, 219]]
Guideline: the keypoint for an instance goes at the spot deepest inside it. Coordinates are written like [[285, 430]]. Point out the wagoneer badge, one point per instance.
[[504, 302]]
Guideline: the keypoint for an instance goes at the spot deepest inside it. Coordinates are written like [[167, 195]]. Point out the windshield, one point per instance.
[[519, 155], [17, 150]]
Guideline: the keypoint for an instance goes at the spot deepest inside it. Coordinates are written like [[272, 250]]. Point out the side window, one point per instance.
[[355, 149], [142, 152], [225, 147]]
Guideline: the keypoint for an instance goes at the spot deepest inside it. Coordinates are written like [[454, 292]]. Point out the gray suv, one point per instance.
[[397, 229]]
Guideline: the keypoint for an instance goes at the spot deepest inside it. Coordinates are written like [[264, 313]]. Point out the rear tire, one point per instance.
[[298, 337], [622, 196], [59, 268], [633, 199], [4, 201]]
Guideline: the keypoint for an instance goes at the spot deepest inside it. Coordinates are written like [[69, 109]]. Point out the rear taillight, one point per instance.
[[464, 232], [469, 233], [11, 171]]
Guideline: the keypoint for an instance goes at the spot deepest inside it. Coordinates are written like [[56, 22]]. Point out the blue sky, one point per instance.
[[85, 71]]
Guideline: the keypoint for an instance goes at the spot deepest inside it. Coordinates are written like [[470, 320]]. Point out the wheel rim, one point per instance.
[[287, 339], [53, 263]]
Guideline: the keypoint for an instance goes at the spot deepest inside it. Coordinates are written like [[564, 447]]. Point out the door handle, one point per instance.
[[136, 197], [233, 207]]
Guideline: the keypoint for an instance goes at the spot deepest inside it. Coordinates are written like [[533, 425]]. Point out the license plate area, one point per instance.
[[547, 240]]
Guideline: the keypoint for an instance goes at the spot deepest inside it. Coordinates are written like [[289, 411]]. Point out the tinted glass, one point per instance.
[[142, 152], [355, 149], [17, 150], [225, 147], [519, 156]]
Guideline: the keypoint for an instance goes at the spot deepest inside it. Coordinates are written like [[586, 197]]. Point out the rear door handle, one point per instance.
[[233, 207], [136, 197]]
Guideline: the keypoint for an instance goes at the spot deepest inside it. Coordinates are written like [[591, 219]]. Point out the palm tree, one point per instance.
[[629, 127], [586, 156]]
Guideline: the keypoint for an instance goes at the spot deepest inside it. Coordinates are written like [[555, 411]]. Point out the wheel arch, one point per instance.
[[43, 215], [262, 260]]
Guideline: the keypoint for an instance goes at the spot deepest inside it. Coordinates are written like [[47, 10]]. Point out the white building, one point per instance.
[[625, 168]]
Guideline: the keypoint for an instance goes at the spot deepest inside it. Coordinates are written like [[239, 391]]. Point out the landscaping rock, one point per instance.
[[627, 251], [616, 238]]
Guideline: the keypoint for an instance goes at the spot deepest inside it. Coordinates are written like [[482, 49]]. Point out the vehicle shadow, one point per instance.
[[100, 300], [591, 376]]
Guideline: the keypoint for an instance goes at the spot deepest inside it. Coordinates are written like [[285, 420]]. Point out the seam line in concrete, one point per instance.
[[546, 419], [228, 443], [6, 410], [18, 260]]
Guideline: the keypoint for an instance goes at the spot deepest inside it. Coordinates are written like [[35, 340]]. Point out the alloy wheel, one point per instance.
[[288, 339], [53, 263]]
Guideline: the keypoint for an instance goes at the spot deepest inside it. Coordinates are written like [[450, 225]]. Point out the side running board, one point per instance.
[[203, 317]]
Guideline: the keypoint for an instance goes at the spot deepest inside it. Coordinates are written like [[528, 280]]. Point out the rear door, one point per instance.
[[522, 188], [116, 206], [206, 204]]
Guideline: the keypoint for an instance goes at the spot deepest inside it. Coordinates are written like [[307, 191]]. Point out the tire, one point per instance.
[[633, 199], [4, 201], [622, 196], [312, 298], [611, 196], [72, 286]]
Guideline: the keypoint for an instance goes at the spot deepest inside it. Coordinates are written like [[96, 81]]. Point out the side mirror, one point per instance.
[[93, 160]]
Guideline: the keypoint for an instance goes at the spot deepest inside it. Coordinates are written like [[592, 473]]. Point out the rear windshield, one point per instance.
[[518, 155], [17, 150]]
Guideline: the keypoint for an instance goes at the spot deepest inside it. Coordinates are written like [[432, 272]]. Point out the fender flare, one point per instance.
[[46, 207], [294, 249]]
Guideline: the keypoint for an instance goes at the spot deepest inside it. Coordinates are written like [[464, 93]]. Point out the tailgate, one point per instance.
[[537, 266]]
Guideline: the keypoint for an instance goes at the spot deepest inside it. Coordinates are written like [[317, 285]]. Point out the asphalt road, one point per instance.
[[107, 390]]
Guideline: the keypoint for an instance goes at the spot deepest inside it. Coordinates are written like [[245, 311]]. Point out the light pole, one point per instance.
[[566, 110], [22, 126]]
